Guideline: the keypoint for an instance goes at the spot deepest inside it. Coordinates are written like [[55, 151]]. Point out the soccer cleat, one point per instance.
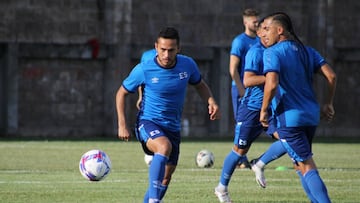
[[223, 196], [259, 174], [244, 165]]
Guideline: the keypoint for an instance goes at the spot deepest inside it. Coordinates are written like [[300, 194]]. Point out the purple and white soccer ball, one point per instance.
[[204, 159], [95, 165]]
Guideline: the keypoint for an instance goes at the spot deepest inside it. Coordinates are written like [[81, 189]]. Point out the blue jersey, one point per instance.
[[295, 102], [254, 63], [164, 89], [148, 55], [239, 47]]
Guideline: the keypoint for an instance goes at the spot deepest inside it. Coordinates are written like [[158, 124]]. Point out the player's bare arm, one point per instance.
[[252, 79], [233, 69], [123, 132], [327, 109], [205, 93], [271, 83]]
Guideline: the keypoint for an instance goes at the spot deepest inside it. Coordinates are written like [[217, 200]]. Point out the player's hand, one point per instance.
[[328, 112], [123, 134], [214, 111], [264, 119]]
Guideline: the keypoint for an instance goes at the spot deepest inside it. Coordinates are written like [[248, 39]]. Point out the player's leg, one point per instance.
[[245, 133], [174, 138], [305, 187], [275, 151], [236, 101], [160, 145], [297, 142], [230, 163]]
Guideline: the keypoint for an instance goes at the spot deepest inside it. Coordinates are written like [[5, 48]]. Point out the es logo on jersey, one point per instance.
[[183, 75]]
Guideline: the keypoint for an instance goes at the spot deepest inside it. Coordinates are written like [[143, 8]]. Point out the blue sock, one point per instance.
[[306, 188], [156, 175], [316, 186], [230, 162], [275, 151], [146, 197], [163, 189]]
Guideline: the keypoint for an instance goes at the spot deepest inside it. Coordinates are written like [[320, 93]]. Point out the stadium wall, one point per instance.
[[62, 61]]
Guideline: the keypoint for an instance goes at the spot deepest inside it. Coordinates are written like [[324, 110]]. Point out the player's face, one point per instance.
[[167, 49], [251, 23], [260, 34], [271, 32]]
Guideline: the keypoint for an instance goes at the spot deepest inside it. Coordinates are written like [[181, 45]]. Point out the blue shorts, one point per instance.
[[247, 127], [297, 141], [235, 97], [149, 130]]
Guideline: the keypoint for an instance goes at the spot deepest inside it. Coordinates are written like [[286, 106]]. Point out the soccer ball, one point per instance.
[[95, 165], [204, 159], [148, 159]]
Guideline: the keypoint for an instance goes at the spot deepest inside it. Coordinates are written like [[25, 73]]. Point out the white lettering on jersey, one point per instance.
[[183, 75]]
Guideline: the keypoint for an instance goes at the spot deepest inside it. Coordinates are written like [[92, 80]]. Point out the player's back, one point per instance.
[[295, 101]]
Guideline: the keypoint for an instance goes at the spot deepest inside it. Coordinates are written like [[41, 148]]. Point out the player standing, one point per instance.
[[248, 126], [239, 47], [289, 69], [164, 82]]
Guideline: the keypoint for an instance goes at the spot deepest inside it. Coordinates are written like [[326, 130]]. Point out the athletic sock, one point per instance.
[[146, 197], [230, 162], [306, 188], [156, 175], [163, 189], [275, 151], [316, 186]]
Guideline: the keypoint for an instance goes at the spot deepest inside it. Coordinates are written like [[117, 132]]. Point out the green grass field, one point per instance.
[[47, 171]]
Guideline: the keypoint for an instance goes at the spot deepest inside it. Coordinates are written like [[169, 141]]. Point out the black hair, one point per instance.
[[286, 23], [169, 33]]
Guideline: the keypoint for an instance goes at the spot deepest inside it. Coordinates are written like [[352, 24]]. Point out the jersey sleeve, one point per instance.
[[195, 76], [134, 79], [253, 61], [271, 61], [236, 47], [318, 60]]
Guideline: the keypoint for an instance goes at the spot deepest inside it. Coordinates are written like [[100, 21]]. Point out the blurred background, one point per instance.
[[62, 61]]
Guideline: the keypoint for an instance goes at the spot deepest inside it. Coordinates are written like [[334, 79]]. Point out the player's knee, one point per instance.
[[166, 180]]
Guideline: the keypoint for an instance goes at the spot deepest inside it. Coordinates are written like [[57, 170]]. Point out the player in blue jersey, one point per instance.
[[248, 126], [164, 80], [289, 68], [239, 47]]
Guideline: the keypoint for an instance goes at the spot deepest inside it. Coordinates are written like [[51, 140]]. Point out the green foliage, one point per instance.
[[47, 171]]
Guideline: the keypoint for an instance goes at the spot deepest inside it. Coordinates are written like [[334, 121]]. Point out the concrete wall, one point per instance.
[[62, 61]]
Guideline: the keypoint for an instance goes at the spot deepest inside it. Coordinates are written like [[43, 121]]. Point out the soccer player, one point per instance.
[[165, 81], [239, 47], [248, 126], [289, 68]]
